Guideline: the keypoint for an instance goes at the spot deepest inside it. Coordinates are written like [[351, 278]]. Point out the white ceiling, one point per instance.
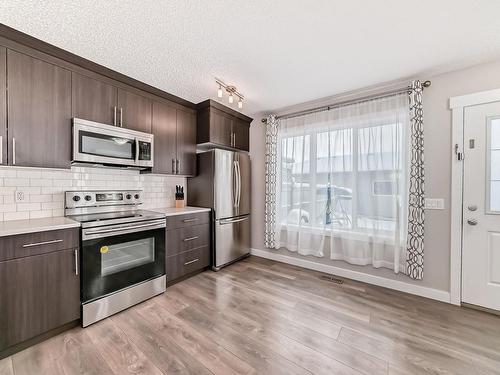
[[278, 53]]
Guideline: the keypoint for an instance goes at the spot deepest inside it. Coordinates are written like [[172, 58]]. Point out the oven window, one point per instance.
[[106, 145], [126, 255]]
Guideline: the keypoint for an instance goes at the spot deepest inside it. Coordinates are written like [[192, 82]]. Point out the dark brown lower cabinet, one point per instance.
[[188, 245], [37, 294], [187, 263]]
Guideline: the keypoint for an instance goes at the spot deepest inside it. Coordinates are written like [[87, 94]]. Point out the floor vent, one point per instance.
[[333, 279]]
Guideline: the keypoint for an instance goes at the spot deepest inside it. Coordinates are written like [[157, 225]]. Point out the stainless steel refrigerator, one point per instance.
[[223, 184]]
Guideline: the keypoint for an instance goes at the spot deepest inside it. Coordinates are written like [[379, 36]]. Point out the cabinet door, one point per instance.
[[220, 127], [134, 111], [93, 100], [164, 131], [37, 294], [3, 106], [39, 112], [186, 142], [241, 134]]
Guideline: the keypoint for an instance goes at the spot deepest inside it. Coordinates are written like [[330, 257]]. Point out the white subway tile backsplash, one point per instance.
[[16, 215], [28, 206], [44, 188], [16, 182]]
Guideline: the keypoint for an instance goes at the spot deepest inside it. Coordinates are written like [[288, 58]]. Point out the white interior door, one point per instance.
[[481, 206]]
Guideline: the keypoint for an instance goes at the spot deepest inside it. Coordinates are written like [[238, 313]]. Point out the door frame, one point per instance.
[[457, 106]]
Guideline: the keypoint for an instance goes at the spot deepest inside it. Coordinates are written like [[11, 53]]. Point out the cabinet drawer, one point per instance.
[[23, 245], [187, 238], [187, 262], [181, 221]]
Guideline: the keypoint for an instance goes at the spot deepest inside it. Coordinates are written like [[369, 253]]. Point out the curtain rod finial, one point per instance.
[[426, 83], [264, 120]]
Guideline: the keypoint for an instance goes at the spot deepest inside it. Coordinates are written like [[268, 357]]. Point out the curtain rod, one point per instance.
[[349, 101]]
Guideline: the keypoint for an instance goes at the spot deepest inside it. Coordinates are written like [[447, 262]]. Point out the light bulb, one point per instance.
[[240, 103], [219, 92], [231, 99]]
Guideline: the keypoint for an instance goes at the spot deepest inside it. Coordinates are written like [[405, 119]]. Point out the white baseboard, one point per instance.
[[436, 294]]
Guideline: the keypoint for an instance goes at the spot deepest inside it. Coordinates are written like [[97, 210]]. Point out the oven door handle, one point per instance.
[[160, 224]]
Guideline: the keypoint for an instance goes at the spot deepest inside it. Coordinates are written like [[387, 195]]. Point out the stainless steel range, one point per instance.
[[122, 251]]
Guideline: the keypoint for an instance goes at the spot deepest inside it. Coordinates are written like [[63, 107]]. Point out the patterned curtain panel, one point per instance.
[[416, 197], [271, 181]]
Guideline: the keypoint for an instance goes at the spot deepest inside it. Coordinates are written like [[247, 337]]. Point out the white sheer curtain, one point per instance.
[[342, 178]]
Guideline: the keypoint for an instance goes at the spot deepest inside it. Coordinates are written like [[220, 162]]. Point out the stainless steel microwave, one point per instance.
[[97, 143]]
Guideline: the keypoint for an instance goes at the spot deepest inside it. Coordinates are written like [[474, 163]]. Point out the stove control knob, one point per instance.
[[128, 196], [136, 196], [76, 198], [88, 198]]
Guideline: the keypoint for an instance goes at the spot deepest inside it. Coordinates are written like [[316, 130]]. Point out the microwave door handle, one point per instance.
[[136, 150]]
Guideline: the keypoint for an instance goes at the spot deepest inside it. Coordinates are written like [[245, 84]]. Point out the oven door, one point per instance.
[[118, 256]]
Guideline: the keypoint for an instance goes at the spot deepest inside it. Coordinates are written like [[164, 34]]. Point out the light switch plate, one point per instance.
[[19, 196], [434, 204]]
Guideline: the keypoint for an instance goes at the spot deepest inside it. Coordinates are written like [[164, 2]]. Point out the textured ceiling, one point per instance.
[[278, 53]]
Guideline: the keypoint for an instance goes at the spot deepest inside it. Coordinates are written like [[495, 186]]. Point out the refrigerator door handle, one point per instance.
[[235, 184], [231, 221], [239, 183]]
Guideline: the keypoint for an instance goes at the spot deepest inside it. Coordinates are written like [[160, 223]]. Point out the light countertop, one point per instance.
[[172, 211], [9, 228]]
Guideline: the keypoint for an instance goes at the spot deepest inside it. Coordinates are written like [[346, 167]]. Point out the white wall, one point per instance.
[[44, 188], [438, 154]]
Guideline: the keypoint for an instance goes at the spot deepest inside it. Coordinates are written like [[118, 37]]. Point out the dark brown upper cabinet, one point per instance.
[[3, 106], [39, 112], [99, 101], [175, 140], [218, 125], [186, 142], [241, 134], [164, 131], [134, 111], [94, 100]]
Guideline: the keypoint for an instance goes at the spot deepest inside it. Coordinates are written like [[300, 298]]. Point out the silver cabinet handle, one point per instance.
[[472, 222], [192, 261], [76, 262], [1, 149], [42, 243], [121, 117], [191, 238], [13, 151], [177, 166], [234, 139], [173, 165], [190, 220], [114, 115]]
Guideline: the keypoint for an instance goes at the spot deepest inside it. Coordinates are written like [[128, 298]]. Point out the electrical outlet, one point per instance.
[[20, 196], [434, 204]]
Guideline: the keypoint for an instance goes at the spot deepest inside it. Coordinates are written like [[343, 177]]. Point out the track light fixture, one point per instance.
[[232, 92]]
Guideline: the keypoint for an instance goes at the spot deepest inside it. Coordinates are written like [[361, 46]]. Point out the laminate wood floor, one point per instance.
[[264, 317]]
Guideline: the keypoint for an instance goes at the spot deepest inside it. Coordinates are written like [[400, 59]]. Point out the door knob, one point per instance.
[[472, 221], [472, 207]]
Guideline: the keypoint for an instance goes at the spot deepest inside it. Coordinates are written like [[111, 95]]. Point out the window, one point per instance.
[[493, 166], [348, 178]]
